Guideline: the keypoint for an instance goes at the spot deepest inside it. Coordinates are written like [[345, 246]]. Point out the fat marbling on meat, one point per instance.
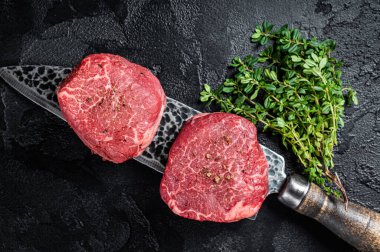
[[216, 170], [113, 105]]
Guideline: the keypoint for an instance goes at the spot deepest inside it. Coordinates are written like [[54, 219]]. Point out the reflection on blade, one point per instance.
[[37, 83]]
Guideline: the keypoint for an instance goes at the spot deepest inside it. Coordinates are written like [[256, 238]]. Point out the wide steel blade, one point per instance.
[[39, 82]]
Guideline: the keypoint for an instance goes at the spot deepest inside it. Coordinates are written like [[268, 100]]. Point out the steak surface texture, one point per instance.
[[216, 170], [113, 105]]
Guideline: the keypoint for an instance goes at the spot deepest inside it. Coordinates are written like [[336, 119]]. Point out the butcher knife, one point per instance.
[[357, 225]]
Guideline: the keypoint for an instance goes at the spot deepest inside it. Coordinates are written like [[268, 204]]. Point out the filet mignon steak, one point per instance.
[[113, 105], [216, 170]]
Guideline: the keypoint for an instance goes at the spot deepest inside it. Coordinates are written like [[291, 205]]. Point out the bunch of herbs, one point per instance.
[[294, 89]]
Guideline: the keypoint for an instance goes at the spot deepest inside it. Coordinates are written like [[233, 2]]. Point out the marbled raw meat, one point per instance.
[[113, 105], [216, 170]]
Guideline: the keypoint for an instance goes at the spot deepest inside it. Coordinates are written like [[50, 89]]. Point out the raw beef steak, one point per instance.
[[114, 106], [216, 170]]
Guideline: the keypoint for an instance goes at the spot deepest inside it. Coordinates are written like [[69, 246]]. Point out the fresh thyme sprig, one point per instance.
[[294, 88]]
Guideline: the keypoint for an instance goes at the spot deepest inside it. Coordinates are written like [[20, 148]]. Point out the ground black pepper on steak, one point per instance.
[[216, 170], [113, 105]]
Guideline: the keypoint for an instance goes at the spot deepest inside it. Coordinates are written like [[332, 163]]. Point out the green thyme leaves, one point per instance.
[[294, 89]]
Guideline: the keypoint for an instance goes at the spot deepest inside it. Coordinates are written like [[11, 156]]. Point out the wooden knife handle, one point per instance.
[[357, 225]]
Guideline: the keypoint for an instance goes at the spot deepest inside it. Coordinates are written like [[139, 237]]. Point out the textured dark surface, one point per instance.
[[55, 195]]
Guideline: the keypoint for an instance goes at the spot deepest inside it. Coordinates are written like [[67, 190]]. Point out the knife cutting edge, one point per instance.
[[357, 225]]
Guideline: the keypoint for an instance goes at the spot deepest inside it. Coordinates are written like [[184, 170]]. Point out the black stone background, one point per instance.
[[56, 196]]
